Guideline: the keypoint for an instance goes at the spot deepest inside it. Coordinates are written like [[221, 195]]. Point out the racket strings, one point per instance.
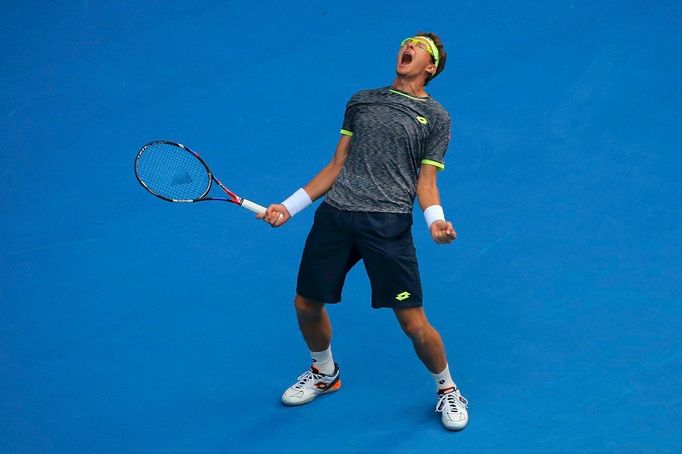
[[172, 172]]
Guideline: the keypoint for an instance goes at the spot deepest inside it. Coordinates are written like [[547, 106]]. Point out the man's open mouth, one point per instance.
[[406, 59]]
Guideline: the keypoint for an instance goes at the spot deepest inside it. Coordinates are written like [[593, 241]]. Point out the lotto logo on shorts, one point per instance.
[[403, 296]]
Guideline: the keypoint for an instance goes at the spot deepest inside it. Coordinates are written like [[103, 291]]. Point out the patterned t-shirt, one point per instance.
[[393, 133]]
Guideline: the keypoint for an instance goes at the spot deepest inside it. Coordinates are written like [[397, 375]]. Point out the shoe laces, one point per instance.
[[451, 401], [307, 380]]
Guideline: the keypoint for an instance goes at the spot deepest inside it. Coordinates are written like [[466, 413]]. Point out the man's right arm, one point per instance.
[[277, 214], [323, 181]]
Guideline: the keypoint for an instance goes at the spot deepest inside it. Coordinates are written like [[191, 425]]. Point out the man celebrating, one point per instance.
[[393, 142]]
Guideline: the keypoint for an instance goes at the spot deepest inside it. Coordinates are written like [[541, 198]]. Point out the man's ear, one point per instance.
[[431, 69]]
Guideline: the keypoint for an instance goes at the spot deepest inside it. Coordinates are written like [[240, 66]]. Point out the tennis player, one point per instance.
[[392, 145]]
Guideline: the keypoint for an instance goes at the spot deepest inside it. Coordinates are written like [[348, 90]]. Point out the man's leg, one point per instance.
[[323, 376], [314, 323], [327, 256], [426, 340], [429, 347]]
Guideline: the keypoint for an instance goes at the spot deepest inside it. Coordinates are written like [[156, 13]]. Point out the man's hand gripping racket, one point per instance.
[[276, 215]]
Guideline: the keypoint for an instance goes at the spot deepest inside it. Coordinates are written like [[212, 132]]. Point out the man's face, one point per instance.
[[414, 58]]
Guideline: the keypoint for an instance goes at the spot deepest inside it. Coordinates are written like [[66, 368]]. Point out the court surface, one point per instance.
[[128, 324]]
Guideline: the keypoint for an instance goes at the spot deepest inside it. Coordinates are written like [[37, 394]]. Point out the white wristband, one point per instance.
[[297, 202], [433, 213]]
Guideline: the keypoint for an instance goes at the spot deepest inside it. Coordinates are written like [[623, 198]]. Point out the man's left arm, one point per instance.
[[442, 231]]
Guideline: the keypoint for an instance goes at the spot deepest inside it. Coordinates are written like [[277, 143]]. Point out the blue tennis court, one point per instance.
[[128, 324]]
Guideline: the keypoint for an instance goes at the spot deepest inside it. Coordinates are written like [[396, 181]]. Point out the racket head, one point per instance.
[[172, 172]]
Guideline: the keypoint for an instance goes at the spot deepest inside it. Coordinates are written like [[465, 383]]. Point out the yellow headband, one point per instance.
[[434, 49]]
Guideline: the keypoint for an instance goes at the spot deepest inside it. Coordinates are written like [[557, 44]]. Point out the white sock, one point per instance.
[[323, 361], [444, 380]]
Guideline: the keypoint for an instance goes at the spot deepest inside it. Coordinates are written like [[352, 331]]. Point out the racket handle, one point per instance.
[[249, 205]]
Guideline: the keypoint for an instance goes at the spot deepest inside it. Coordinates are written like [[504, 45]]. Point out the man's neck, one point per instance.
[[414, 87]]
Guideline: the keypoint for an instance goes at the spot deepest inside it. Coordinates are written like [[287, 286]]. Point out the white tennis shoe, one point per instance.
[[311, 384], [453, 408]]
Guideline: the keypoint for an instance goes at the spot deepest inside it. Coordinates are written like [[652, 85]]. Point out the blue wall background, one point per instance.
[[131, 324]]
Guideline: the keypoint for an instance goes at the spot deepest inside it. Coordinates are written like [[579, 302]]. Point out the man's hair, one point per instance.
[[443, 55]]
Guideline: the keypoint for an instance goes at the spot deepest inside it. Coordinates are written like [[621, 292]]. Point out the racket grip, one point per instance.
[[249, 205]]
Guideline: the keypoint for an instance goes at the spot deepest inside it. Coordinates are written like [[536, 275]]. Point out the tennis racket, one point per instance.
[[174, 173]]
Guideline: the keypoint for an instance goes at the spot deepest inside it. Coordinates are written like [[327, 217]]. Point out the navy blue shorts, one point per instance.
[[339, 239]]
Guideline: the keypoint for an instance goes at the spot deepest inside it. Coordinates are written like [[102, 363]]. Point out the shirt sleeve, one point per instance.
[[347, 127], [437, 144]]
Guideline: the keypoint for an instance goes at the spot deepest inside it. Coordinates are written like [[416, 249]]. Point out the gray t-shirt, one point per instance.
[[393, 133]]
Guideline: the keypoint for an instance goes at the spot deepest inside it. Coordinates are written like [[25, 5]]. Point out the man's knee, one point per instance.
[[416, 330], [308, 308], [414, 324]]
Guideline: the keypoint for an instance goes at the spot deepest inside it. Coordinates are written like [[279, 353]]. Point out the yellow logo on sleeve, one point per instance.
[[422, 120]]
